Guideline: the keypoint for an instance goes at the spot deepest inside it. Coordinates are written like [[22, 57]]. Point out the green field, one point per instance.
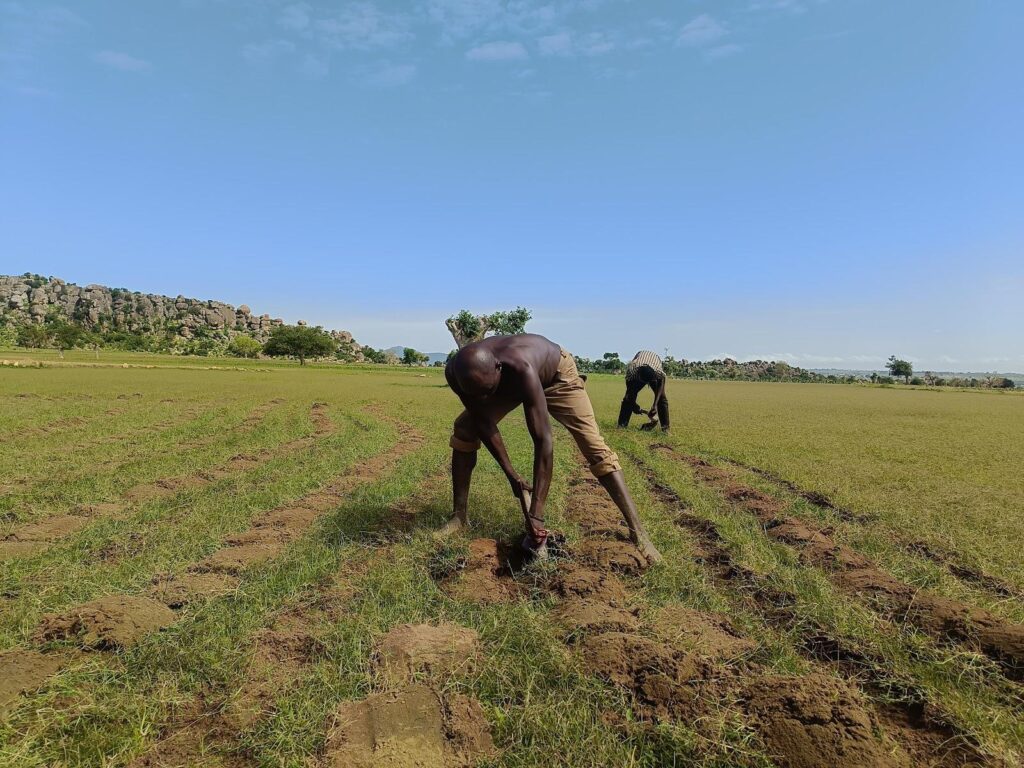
[[201, 560]]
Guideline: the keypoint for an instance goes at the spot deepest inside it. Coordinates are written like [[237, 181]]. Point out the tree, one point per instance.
[[243, 345], [374, 355], [411, 357], [466, 327], [33, 336], [611, 362], [899, 367], [66, 336], [299, 341]]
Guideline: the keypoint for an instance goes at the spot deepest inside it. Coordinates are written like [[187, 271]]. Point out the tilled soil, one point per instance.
[[921, 731], [943, 617], [36, 536], [489, 574], [685, 664]]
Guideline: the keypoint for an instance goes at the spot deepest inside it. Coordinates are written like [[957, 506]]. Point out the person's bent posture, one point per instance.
[[496, 375], [645, 370]]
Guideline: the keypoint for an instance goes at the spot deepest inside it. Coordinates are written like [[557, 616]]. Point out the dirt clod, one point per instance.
[[182, 589], [408, 729], [573, 580], [613, 554], [234, 560], [816, 722], [488, 576], [706, 634], [118, 621], [582, 616], [664, 682], [23, 671], [437, 650]]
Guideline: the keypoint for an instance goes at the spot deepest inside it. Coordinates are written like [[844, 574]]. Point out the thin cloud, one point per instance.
[[565, 44], [555, 45], [121, 61], [362, 26], [701, 31], [314, 66], [723, 51], [295, 17], [499, 50], [392, 76], [269, 49]]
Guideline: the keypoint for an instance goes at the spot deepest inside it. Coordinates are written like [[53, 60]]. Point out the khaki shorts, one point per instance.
[[569, 404]]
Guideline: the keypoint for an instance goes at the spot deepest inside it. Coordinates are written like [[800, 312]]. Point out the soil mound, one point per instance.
[[409, 729], [578, 581], [488, 577], [438, 650], [23, 671], [33, 537], [706, 634], [613, 554], [234, 560], [178, 591], [593, 616], [663, 681], [816, 722], [49, 529], [118, 621]]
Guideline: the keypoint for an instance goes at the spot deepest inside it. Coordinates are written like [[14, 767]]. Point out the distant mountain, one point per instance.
[[432, 357]]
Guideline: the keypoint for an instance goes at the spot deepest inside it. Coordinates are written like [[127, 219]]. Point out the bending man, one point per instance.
[[494, 376], [645, 370]]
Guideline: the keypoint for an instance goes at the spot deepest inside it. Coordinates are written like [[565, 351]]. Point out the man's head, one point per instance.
[[477, 371]]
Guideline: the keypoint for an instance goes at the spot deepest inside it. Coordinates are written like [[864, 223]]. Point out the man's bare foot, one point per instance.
[[650, 552], [455, 525]]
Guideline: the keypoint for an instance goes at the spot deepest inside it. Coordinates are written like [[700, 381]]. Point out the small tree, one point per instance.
[[243, 345], [466, 327], [66, 336], [374, 355], [299, 341], [899, 367], [411, 357], [33, 336]]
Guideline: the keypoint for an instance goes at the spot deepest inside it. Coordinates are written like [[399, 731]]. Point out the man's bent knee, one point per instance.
[[605, 465], [463, 445]]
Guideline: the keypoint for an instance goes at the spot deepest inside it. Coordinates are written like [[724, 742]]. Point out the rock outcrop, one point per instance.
[[33, 299]]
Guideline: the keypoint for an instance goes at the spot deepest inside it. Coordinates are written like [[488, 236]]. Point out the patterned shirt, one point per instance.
[[643, 358]]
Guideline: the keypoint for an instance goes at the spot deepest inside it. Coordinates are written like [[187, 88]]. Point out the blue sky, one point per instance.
[[828, 182]]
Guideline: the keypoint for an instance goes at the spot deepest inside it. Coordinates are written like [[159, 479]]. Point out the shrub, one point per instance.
[[244, 346]]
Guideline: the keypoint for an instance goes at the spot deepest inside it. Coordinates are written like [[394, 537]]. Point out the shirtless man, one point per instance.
[[496, 375]]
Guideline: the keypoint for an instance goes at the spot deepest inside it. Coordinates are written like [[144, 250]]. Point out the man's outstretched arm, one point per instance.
[[537, 421], [487, 429]]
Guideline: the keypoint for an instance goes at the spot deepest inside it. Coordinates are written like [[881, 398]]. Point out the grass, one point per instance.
[[913, 465]]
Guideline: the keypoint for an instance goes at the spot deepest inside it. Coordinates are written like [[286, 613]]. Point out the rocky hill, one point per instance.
[[147, 320]]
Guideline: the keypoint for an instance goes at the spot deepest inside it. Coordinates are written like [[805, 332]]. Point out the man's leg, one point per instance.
[[570, 405], [462, 472], [464, 448], [663, 412], [628, 407], [615, 484]]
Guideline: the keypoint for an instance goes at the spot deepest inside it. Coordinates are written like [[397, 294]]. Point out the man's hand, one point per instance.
[[519, 485]]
